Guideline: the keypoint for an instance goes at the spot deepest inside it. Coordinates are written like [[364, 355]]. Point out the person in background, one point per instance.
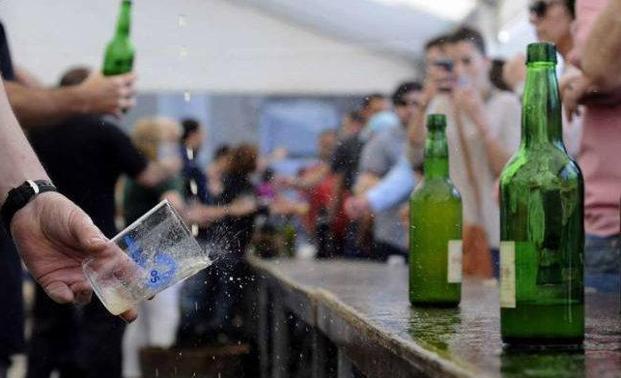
[[85, 156], [396, 186], [598, 88], [316, 182], [351, 124], [158, 140], [216, 169], [37, 107], [230, 235], [195, 181], [552, 21], [379, 156], [483, 131], [344, 167]]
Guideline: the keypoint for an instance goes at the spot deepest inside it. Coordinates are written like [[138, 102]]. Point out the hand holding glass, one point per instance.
[[159, 252]]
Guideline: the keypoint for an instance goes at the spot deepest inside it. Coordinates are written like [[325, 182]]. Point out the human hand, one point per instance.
[[468, 101], [356, 207], [107, 94], [242, 206], [573, 86], [54, 237]]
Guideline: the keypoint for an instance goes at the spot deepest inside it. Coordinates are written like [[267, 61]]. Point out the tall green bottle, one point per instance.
[[119, 57], [435, 226], [541, 218]]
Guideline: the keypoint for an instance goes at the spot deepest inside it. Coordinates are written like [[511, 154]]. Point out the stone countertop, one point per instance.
[[364, 307]]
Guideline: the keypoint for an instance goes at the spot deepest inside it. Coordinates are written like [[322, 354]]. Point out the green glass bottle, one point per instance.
[[435, 226], [119, 57], [541, 218]]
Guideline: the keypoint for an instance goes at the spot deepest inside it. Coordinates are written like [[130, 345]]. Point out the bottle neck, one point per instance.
[[124, 21], [436, 155], [541, 113]]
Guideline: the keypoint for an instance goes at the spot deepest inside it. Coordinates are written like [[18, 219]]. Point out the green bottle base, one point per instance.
[[543, 325], [435, 304], [518, 343]]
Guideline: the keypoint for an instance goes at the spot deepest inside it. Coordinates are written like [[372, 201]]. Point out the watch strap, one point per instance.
[[20, 196]]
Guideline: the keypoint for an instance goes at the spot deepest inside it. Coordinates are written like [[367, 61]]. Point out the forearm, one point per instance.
[[312, 179], [18, 161], [393, 188], [40, 107], [497, 155], [154, 174], [602, 49], [416, 130]]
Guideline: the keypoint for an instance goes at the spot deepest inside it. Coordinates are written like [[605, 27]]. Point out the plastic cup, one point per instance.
[[159, 252]]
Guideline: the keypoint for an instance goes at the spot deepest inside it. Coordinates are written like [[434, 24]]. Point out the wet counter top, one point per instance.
[[363, 308]]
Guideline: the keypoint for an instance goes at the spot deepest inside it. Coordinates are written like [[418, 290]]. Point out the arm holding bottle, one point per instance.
[[96, 95]]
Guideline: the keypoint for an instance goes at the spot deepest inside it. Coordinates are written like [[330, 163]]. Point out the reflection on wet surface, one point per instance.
[[367, 304]]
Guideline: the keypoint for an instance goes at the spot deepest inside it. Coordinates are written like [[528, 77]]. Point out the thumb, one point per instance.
[[59, 292], [88, 236]]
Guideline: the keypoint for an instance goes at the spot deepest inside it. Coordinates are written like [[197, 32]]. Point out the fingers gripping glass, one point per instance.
[[159, 252]]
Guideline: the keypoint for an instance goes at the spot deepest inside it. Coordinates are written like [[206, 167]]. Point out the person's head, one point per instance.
[[74, 76], [192, 135], [326, 143], [435, 49], [352, 123], [467, 51], [407, 100], [156, 137], [243, 160], [222, 157], [373, 103], [552, 21]]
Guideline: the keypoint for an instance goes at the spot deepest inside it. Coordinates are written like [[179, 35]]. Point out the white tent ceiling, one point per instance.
[[279, 46], [394, 26]]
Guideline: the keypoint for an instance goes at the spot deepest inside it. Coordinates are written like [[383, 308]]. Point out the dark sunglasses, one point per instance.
[[540, 7]]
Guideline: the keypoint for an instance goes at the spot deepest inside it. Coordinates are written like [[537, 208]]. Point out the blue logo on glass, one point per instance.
[[164, 266]]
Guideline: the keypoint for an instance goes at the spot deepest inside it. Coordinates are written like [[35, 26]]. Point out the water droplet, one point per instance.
[[182, 21]]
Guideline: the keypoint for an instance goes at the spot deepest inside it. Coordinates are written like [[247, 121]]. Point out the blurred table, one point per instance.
[[362, 308]]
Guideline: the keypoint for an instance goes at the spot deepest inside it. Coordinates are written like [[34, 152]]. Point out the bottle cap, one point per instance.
[[541, 52], [436, 121]]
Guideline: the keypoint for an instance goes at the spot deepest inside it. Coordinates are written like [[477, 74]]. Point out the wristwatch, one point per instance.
[[20, 196]]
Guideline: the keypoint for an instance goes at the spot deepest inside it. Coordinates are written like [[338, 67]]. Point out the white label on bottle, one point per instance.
[[454, 261], [507, 274]]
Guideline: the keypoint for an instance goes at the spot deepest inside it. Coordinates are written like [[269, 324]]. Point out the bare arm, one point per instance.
[[52, 234], [313, 178], [365, 181], [18, 161], [154, 174], [602, 50], [204, 215], [96, 95]]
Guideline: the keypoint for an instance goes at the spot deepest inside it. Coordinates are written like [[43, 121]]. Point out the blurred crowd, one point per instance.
[[350, 202]]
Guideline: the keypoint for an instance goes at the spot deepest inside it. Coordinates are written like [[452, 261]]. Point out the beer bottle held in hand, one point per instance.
[[119, 57], [436, 226], [541, 221]]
